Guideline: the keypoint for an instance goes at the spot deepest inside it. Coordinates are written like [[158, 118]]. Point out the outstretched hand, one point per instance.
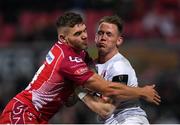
[[151, 95]]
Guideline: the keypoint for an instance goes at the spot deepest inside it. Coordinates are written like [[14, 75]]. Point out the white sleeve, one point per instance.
[[120, 68], [124, 68]]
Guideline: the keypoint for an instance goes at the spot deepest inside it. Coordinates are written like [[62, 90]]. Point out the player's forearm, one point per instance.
[[123, 92], [103, 109], [89, 101], [97, 84], [118, 90]]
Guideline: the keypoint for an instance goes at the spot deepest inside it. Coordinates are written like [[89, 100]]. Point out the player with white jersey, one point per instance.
[[113, 66], [64, 68], [118, 69]]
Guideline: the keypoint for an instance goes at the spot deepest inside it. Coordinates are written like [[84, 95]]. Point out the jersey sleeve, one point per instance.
[[125, 69], [76, 70], [120, 68]]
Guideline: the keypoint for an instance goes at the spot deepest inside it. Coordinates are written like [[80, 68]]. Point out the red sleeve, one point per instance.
[[75, 69]]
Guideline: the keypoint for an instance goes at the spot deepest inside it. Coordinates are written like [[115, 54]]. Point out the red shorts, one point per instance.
[[17, 112]]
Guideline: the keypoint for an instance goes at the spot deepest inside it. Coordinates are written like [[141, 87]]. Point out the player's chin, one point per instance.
[[102, 50], [84, 46]]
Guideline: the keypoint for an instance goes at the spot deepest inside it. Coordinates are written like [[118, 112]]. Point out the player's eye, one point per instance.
[[78, 33], [109, 34], [100, 32]]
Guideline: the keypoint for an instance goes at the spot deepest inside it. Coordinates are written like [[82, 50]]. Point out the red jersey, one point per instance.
[[55, 80]]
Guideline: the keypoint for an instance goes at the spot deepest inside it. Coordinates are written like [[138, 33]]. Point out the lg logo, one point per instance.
[[75, 59]]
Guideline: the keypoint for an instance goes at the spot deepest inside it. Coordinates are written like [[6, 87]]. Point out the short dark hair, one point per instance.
[[113, 20], [69, 19]]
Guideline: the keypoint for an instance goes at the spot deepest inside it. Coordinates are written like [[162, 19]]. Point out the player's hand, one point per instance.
[[151, 95], [99, 105], [106, 99], [104, 110]]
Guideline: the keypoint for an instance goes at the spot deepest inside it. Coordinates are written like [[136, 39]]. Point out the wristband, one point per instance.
[[81, 95], [81, 92]]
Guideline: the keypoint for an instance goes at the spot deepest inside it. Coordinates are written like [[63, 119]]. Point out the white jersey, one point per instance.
[[117, 65], [118, 69]]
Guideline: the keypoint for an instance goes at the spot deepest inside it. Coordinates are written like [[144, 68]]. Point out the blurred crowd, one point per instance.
[[34, 20], [152, 44]]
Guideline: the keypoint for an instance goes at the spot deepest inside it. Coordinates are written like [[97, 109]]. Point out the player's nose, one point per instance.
[[84, 36]]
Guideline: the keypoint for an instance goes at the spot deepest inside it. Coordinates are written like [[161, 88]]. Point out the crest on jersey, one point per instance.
[[49, 57]]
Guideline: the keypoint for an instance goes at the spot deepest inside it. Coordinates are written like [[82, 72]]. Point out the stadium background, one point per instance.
[[151, 43]]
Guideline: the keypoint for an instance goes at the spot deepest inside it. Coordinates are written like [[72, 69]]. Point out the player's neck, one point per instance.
[[104, 57], [76, 50]]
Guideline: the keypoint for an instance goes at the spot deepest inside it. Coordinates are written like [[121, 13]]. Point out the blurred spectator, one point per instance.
[[159, 22]]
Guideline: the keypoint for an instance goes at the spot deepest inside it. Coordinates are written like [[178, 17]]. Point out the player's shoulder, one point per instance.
[[61, 48], [56, 50], [121, 63], [120, 59], [54, 53]]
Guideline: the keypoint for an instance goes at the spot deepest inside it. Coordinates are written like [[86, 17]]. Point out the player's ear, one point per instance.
[[95, 38], [119, 41], [61, 37]]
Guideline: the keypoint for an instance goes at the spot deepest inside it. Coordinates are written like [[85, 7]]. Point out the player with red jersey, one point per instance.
[[62, 71]]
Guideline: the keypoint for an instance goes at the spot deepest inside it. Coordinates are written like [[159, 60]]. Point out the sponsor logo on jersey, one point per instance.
[[75, 59], [49, 57], [81, 71]]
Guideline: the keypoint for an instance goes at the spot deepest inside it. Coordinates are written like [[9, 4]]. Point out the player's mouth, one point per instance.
[[85, 43], [101, 45]]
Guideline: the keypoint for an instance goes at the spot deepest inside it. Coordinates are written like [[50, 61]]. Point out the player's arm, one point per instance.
[[99, 106], [96, 104], [78, 71], [121, 91]]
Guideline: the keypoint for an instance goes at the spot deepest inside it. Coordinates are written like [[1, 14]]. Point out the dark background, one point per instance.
[[151, 43]]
